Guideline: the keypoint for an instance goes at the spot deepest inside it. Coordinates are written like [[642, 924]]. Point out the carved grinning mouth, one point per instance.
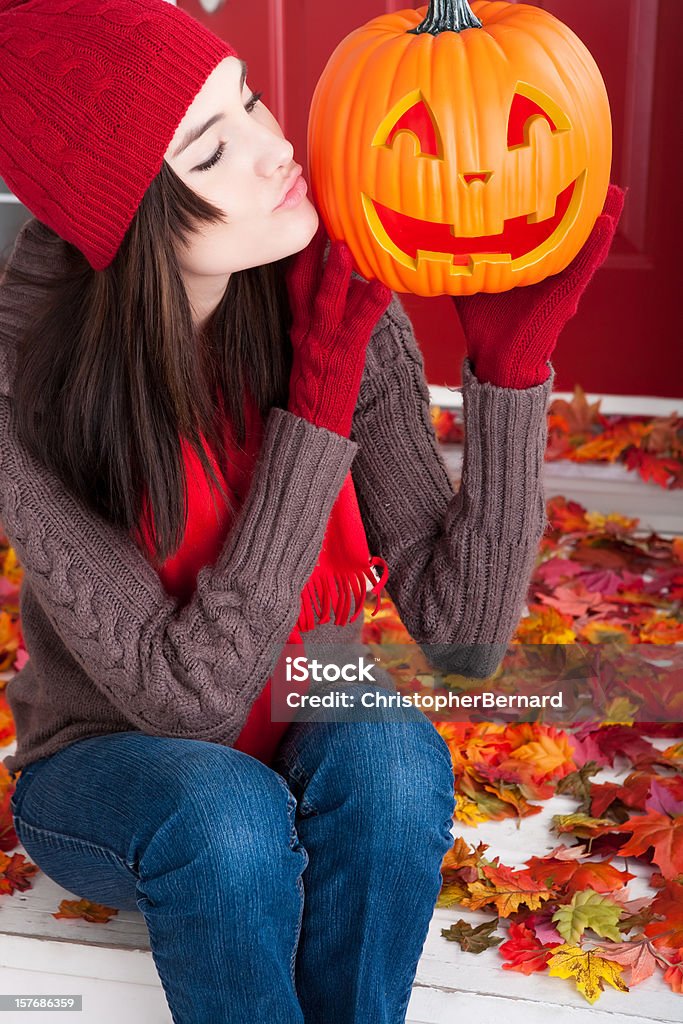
[[413, 238]]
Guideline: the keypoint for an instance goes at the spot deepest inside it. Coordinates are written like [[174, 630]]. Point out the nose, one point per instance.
[[275, 151]]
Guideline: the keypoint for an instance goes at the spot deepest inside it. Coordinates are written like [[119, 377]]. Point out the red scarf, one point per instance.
[[340, 573]]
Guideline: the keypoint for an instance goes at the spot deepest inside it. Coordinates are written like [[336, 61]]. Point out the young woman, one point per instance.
[[206, 448]]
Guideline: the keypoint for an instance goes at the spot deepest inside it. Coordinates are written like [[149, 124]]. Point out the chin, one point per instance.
[[306, 227]]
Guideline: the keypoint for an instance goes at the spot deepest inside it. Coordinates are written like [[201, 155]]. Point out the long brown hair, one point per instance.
[[112, 370]]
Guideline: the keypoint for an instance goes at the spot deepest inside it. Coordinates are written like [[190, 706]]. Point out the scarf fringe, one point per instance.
[[318, 601]]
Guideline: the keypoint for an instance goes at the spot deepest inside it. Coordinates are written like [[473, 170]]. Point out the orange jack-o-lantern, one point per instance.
[[459, 150]]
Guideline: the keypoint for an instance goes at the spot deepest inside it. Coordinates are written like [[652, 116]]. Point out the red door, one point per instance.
[[626, 337]]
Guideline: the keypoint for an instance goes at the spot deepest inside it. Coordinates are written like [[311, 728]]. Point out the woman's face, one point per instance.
[[242, 164]]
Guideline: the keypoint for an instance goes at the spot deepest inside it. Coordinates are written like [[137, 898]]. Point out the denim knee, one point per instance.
[[234, 814], [397, 772]]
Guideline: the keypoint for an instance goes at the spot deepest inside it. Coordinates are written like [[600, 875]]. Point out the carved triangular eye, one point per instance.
[[411, 114], [528, 103]]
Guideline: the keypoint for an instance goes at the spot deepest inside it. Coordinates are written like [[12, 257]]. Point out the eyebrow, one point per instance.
[[195, 133]]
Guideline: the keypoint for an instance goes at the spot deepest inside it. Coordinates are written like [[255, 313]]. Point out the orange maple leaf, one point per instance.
[[606, 447], [549, 753], [574, 876], [545, 625], [578, 413], [15, 872], [507, 891], [661, 630], [662, 833], [97, 913]]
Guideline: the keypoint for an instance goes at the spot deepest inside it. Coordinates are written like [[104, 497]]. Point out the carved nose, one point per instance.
[[477, 176]]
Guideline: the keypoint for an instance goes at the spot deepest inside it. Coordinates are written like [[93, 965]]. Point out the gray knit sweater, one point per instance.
[[110, 650]]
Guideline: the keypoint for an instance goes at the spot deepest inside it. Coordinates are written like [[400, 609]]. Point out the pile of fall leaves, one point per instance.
[[598, 580]]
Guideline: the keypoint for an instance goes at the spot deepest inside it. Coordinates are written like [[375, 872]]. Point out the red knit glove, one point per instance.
[[511, 335], [333, 320]]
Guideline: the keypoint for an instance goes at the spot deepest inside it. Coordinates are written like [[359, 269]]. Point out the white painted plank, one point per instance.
[[601, 487], [610, 405], [104, 1001]]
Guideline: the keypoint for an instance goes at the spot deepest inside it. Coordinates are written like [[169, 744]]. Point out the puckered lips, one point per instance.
[[412, 236]]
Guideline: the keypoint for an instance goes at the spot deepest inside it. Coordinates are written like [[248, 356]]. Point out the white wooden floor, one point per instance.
[[111, 965]]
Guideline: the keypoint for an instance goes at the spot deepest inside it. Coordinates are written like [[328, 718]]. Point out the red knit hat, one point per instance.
[[91, 94]]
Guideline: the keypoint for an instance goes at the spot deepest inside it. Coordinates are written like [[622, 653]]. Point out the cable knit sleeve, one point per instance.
[[193, 671], [459, 562]]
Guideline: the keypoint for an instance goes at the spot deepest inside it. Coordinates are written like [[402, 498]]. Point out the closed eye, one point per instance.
[[212, 161]]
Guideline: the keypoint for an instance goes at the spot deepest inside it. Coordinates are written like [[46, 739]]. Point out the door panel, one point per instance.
[[626, 337]]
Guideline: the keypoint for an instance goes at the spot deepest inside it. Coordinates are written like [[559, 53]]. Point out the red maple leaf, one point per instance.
[[524, 952], [662, 833]]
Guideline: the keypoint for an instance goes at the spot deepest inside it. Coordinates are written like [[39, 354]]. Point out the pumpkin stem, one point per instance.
[[447, 16]]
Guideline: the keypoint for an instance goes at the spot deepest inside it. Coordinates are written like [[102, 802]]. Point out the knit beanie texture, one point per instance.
[[91, 94]]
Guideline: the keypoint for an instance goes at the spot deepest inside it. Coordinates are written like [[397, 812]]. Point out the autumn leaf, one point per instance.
[[550, 753], [588, 969], [666, 795], [662, 471], [574, 877], [545, 626], [467, 811], [507, 891], [580, 824], [567, 517], [557, 570], [473, 940], [669, 904], [641, 957], [604, 448], [452, 892], [579, 414], [97, 913], [563, 852], [462, 855], [523, 951], [625, 741], [633, 793], [588, 909], [661, 630], [662, 833], [15, 872], [578, 783], [574, 600], [8, 837], [673, 975]]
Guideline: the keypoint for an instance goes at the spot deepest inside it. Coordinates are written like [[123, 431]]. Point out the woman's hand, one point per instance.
[[511, 335], [333, 320]]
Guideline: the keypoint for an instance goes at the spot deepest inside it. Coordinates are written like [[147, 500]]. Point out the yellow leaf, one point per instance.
[[467, 811], [588, 970], [547, 754]]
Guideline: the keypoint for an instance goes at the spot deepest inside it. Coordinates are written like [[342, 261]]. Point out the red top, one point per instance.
[[338, 579]]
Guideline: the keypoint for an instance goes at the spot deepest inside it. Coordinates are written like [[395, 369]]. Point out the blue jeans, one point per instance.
[[300, 892]]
